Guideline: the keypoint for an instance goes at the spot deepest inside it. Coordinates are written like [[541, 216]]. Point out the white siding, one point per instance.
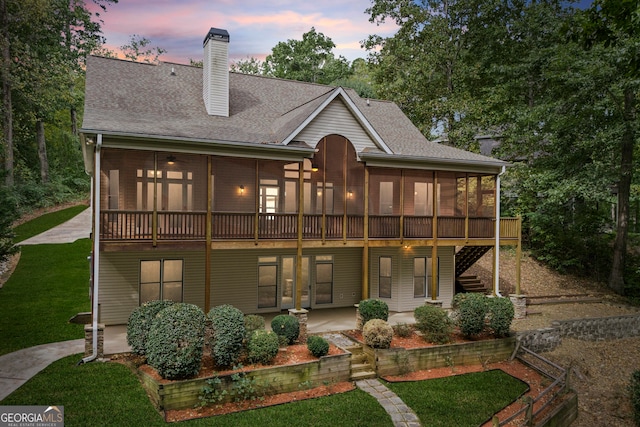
[[402, 298], [215, 88], [119, 281], [336, 118]]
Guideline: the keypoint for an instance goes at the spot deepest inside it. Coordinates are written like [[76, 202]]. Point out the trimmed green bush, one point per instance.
[[139, 324], [262, 346], [403, 330], [227, 324], [286, 326], [634, 394], [377, 333], [434, 323], [175, 342], [317, 345], [373, 309], [253, 322], [471, 312], [501, 314]]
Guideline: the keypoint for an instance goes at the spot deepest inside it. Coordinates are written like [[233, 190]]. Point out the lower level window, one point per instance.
[[385, 277], [161, 279], [422, 271]]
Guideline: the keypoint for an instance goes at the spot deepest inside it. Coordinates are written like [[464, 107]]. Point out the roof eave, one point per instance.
[[148, 142], [433, 163]]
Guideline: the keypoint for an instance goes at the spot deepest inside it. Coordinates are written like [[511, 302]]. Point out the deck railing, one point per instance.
[[138, 225]]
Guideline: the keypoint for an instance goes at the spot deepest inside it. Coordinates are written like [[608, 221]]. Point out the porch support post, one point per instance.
[[298, 302], [434, 249], [154, 215], [401, 207], [365, 248], [496, 265], [518, 255], [256, 204], [207, 249]]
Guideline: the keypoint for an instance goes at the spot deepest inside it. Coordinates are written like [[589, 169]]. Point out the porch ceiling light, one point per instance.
[[241, 189], [171, 160], [314, 167]]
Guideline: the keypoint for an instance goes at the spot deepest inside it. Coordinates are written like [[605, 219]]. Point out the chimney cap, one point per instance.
[[216, 34]]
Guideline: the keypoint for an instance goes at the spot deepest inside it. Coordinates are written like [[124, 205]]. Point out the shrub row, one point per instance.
[[478, 313]]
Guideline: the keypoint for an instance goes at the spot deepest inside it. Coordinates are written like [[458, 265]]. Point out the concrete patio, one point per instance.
[[326, 320]]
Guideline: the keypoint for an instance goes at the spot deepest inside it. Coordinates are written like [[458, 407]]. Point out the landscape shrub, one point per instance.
[[262, 346], [228, 332], [403, 330], [286, 326], [472, 309], [139, 324], [634, 392], [501, 314], [252, 322], [377, 333], [373, 309], [434, 323], [175, 342], [317, 345]]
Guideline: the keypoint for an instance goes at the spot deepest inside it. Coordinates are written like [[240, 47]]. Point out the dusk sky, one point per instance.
[[254, 26]]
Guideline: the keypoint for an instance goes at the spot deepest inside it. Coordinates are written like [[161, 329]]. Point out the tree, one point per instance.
[[139, 49], [421, 66], [308, 60], [251, 66], [616, 25]]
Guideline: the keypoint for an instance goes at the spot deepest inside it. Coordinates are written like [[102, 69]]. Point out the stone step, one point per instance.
[[360, 367], [364, 375]]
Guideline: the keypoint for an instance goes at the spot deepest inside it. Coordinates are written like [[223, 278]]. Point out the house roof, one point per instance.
[[164, 101]]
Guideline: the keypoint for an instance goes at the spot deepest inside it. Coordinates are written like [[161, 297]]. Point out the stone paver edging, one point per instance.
[[401, 414]]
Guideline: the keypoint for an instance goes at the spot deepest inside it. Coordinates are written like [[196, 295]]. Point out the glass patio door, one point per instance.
[[289, 285]]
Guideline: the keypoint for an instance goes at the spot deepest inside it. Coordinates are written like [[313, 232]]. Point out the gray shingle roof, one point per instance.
[[124, 97]]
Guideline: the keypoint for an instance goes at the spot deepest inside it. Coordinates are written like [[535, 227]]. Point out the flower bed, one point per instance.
[[415, 354], [270, 379]]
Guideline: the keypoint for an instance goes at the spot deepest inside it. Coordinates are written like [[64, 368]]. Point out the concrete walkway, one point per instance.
[[78, 227], [401, 414], [18, 367]]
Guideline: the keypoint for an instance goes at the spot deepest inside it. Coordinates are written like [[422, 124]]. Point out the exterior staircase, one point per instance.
[[470, 284], [465, 258], [361, 368]]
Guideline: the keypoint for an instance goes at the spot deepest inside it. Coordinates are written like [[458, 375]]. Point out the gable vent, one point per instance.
[[215, 88]]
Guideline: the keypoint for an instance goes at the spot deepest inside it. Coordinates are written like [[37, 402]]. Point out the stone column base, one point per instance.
[[302, 317], [433, 302], [519, 306], [359, 322], [88, 340]]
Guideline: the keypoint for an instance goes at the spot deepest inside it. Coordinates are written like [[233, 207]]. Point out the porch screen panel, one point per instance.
[[447, 193], [130, 166], [336, 151], [488, 205], [355, 183], [384, 189], [235, 184], [418, 193]]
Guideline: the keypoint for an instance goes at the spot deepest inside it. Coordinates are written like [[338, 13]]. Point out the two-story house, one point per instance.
[[212, 187]]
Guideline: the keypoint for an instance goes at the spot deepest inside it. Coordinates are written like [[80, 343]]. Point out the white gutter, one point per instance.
[[496, 267], [96, 250]]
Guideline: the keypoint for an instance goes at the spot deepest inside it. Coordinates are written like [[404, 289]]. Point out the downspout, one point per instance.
[[496, 267], [96, 251]]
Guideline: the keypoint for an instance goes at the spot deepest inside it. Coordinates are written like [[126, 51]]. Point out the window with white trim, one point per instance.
[[385, 279], [267, 282], [161, 279]]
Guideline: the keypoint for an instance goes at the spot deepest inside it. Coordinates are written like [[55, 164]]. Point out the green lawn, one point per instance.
[[48, 287], [45, 222], [462, 400], [108, 394]]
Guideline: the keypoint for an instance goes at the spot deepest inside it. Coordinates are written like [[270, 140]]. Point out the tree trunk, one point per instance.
[[42, 152], [616, 279], [7, 108], [74, 121]]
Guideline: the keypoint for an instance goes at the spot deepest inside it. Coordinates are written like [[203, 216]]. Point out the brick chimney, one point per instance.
[[215, 76]]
